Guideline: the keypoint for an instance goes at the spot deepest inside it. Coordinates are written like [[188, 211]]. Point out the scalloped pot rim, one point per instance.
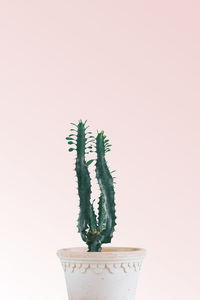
[[107, 253]]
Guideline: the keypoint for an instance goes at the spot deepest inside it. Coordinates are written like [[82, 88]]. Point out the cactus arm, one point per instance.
[[106, 203], [79, 140], [84, 181]]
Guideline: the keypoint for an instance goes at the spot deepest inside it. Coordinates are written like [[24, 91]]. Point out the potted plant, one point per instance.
[[95, 272]]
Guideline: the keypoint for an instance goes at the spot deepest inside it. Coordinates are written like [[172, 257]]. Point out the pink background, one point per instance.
[[131, 68]]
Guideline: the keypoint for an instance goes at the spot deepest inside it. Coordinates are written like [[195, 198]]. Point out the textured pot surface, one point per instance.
[[108, 275]]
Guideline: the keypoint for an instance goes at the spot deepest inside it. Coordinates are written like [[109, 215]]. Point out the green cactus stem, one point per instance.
[[106, 221], [84, 181]]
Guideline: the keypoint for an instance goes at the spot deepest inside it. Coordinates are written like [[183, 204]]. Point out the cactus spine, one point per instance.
[[94, 231]]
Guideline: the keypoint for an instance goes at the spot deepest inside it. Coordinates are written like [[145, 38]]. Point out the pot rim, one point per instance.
[[106, 253]]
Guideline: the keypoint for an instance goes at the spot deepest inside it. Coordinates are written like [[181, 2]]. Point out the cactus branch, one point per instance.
[[106, 202]]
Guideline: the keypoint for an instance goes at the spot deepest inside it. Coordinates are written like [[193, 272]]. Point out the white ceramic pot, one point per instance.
[[108, 275]]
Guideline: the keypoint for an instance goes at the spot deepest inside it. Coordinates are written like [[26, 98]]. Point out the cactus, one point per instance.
[[95, 230]]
